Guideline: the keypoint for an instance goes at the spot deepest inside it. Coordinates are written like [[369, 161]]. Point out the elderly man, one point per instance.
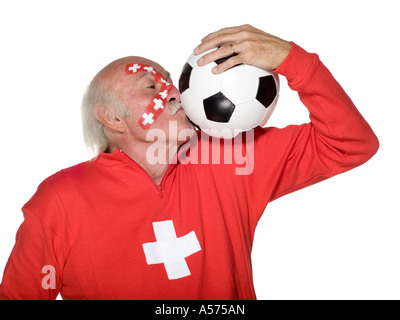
[[123, 227]]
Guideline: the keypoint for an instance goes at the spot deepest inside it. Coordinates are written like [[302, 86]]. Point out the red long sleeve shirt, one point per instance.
[[104, 230]]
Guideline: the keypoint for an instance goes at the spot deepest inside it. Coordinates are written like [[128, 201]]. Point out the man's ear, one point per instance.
[[106, 115]]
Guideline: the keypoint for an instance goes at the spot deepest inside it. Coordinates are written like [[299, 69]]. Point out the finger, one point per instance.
[[219, 32], [224, 36], [217, 41], [222, 52], [238, 31], [229, 63]]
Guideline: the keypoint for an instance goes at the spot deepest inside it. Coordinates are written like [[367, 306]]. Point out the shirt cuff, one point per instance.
[[297, 65]]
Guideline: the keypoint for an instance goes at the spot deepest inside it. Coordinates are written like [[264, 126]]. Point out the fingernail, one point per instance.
[[214, 70], [196, 50], [200, 61]]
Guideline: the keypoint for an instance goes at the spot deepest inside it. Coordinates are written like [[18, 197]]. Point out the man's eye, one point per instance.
[[151, 87]]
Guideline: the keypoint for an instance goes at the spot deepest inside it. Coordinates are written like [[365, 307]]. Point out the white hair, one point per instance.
[[94, 132]]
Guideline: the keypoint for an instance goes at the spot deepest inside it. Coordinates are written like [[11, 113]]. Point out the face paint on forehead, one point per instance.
[[158, 103]]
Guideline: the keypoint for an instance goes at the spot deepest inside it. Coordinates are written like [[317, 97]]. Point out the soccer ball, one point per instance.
[[224, 105]]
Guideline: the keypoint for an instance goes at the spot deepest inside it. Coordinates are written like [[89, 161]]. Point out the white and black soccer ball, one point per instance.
[[223, 105]]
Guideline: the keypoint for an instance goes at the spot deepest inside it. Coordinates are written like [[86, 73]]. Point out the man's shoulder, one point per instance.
[[68, 172], [60, 180], [56, 187]]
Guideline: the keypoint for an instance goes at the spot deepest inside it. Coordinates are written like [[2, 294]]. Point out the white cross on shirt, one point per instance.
[[170, 250]]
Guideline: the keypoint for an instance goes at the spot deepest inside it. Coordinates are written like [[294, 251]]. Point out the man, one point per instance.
[[123, 227]]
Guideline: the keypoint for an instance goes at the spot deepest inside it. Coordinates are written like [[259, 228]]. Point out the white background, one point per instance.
[[336, 240]]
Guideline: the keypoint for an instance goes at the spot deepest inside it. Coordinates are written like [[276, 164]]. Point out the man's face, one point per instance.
[[137, 92]]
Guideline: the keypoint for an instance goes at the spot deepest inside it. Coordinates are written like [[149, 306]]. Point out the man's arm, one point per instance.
[[34, 268], [336, 140]]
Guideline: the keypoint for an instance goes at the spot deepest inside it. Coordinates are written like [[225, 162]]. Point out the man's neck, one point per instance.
[[156, 170]]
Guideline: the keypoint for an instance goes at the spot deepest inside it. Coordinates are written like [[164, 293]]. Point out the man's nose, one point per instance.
[[174, 95]]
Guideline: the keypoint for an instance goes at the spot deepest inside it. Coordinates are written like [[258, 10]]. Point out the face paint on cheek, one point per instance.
[[159, 101]]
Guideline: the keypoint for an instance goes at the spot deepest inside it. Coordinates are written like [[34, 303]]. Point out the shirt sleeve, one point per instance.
[[337, 138], [34, 268]]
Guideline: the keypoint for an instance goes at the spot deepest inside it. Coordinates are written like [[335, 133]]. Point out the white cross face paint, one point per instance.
[[158, 103], [148, 118]]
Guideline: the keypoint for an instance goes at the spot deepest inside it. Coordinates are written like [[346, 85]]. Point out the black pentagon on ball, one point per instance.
[[222, 60], [266, 90], [185, 77], [218, 108]]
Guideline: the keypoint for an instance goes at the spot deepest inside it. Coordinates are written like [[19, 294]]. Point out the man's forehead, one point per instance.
[[151, 65], [141, 69], [143, 73]]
